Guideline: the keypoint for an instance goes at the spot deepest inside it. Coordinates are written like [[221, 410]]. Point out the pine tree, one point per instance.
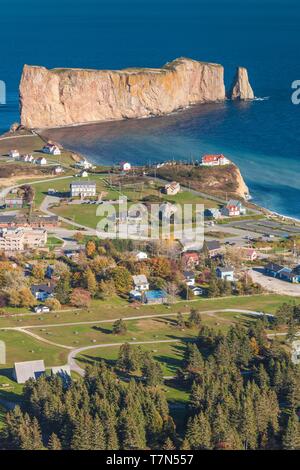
[[248, 429], [54, 443], [291, 436], [98, 436], [168, 444], [83, 432], [198, 433]]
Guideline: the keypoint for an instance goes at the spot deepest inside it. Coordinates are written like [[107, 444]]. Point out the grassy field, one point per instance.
[[169, 355], [53, 242], [33, 145], [21, 347], [117, 308]]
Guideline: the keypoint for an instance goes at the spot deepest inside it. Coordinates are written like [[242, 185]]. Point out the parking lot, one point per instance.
[[274, 285]]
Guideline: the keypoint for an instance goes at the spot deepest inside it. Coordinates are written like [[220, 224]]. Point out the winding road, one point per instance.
[[74, 366]]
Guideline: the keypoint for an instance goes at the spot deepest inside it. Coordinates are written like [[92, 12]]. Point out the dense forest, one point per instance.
[[244, 394]]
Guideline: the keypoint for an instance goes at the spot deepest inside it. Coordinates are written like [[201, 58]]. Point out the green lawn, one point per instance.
[[169, 355], [117, 308], [21, 347], [53, 242], [148, 329]]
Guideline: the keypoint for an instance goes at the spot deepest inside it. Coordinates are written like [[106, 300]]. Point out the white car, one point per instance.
[[197, 291], [41, 309]]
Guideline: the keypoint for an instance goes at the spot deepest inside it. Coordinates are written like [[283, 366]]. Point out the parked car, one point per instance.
[[197, 291], [41, 309]]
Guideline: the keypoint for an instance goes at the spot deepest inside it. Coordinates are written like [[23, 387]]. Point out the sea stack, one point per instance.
[[241, 88]]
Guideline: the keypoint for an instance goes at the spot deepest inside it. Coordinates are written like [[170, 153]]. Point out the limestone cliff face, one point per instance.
[[242, 189], [241, 88], [62, 97]]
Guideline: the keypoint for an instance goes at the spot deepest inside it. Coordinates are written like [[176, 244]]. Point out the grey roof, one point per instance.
[[213, 245], [225, 269], [24, 371], [6, 219], [83, 183], [233, 202], [189, 274], [274, 267], [140, 279], [42, 288]]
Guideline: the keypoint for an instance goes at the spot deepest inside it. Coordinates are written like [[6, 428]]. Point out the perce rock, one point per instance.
[[241, 88], [64, 97]]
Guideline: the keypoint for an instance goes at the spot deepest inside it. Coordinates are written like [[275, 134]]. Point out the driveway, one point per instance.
[[275, 285]]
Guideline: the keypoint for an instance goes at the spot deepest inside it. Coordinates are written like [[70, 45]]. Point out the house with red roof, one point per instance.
[[249, 254], [214, 160], [190, 259]]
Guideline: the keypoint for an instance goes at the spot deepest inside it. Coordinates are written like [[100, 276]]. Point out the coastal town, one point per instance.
[[69, 298]]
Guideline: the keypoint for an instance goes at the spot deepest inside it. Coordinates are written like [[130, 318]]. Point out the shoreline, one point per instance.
[[36, 132]]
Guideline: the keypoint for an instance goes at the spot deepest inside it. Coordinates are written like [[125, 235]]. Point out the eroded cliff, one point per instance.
[[62, 97], [225, 180]]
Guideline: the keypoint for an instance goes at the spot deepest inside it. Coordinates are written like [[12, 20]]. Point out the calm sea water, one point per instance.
[[262, 137]]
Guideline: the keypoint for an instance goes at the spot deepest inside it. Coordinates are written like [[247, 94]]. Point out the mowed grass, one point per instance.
[[169, 355], [148, 329], [21, 347], [88, 217], [115, 308], [79, 214]]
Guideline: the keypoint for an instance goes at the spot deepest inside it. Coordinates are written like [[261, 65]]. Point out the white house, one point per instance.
[[172, 188], [214, 160], [14, 154], [125, 166], [27, 158], [296, 352], [58, 170], [233, 208], [189, 278], [226, 273], [51, 149], [140, 282], [141, 255], [84, 174], [41, 161]]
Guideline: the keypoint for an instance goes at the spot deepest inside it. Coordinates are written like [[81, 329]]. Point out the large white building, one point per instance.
[[83, 189], [22, 238]]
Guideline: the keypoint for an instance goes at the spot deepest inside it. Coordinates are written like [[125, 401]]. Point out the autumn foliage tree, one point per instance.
[[80, 298]]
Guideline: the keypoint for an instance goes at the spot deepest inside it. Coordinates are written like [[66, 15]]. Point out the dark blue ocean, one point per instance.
[[262, 137]]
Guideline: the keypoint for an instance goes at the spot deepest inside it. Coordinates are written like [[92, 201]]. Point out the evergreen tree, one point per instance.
[[198, 433], [291, 436], [54, 443]]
